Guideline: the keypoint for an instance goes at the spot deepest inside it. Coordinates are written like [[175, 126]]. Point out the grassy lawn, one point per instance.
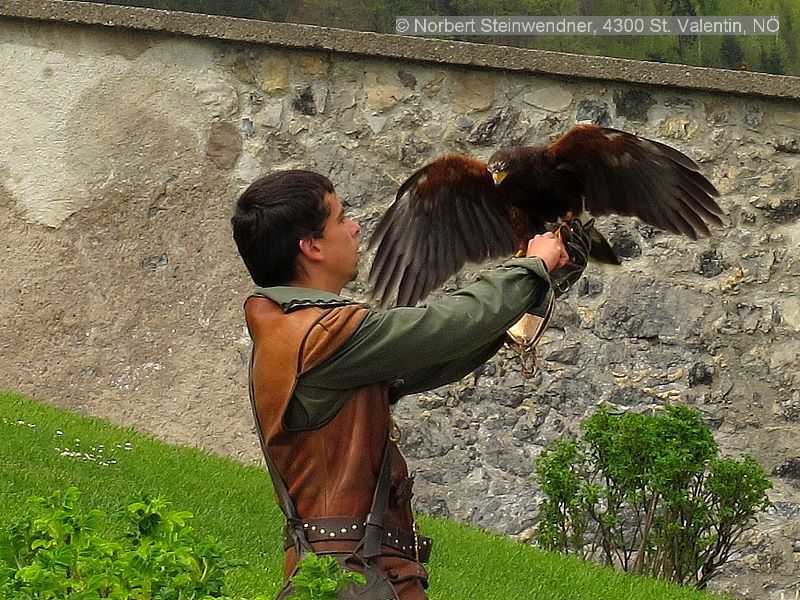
[[43, 449]]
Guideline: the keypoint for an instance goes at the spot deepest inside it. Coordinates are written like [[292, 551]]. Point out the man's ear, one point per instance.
[[310, 249]]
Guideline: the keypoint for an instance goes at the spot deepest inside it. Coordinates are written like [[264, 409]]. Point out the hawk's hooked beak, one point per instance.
[[498, 177]]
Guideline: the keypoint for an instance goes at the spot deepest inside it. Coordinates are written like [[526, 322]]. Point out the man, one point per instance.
[[326, 370]]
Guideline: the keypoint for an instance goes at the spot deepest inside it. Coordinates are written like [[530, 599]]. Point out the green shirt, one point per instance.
[[414, 349]]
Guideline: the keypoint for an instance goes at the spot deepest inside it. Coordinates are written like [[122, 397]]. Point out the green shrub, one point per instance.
[[648, 494], [321, 578], [56, 552]]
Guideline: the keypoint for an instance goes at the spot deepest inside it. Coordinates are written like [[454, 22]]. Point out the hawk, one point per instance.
[[458, 209]]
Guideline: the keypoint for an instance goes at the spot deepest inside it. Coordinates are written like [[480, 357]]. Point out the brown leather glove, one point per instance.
[[576, 238]]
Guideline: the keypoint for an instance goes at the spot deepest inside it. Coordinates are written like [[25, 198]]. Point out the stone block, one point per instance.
[[224, 145], [471, 92], [549, 98], [383, 91]]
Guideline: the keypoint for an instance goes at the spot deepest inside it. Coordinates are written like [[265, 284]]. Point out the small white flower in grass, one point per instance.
[[32, 425], [59, 432], [20, 422]]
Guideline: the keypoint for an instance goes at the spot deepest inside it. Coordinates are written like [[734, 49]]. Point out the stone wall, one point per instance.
[[124, 148]]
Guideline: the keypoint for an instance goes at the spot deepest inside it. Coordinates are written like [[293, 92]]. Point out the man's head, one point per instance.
[[290, 222]]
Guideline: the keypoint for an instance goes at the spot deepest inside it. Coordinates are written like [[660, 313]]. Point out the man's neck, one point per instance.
[[318, 282]]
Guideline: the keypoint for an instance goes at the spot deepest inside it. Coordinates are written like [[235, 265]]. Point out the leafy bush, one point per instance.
[[648, 494], [321, 578], [55, 552]]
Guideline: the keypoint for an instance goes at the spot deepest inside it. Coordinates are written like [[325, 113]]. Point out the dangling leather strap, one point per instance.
[[373, 529]]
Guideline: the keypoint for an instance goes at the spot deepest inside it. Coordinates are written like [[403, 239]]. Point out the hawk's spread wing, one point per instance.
[[447, 213], [628, 175]]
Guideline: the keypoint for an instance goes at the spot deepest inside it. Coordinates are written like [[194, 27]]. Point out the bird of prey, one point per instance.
[[457, 209]]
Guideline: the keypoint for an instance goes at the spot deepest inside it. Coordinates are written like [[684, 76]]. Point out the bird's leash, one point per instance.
[[525, 334]]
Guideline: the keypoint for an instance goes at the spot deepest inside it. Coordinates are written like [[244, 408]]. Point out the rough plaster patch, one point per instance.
[[125, 133], [178, 53], [37, 91], [76, 126], [5, 195]]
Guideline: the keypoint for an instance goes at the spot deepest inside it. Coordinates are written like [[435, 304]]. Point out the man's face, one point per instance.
[[340, 240]]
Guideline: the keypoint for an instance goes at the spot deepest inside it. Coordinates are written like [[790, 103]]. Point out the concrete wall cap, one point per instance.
[[290, 35]]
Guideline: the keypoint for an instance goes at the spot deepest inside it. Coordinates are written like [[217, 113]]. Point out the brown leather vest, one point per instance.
[[330, 471]]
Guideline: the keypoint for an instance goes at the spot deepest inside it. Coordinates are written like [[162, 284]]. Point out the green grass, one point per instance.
[[235, 504]]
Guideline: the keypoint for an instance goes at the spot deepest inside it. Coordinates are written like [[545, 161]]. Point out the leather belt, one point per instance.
[[331, 529]]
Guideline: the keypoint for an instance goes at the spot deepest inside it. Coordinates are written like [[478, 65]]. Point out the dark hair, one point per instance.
[[272, 216]]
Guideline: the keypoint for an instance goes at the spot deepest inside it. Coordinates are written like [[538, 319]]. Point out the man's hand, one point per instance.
[[550, 249]]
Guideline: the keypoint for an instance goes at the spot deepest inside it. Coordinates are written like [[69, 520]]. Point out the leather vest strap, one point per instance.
[[285, 502]]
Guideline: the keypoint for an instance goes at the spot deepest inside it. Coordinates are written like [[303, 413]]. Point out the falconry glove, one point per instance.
[[576, 237]]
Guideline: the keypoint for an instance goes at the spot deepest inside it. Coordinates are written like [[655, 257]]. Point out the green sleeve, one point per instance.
[[424, 347], [447, 371]]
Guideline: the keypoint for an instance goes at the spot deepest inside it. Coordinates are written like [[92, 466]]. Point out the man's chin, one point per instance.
[[356, 268]]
